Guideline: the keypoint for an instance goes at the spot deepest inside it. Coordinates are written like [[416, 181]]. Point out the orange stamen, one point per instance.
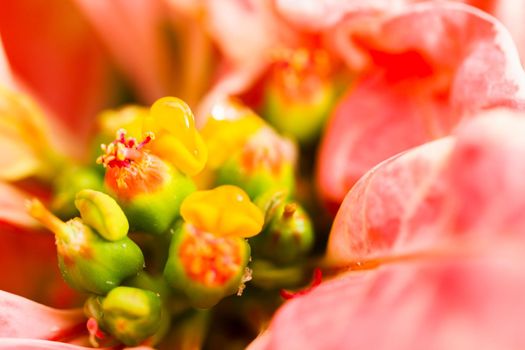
[[208, 259], [131, 169]]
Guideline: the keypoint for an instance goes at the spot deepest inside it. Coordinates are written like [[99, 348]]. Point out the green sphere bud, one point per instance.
[[129, 314], [300, 93], [303, 119], [155, 212], [265, 163], [68, 184], [88, 262], [287, 236], [205, 268]]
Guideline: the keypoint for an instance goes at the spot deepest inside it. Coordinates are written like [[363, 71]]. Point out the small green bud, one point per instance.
[[129, 314], [68, 184], [300, 93], [302, 119], [206, 268], [88, 262], [102, 212], [288, 235], [155, 212], [265, 163]]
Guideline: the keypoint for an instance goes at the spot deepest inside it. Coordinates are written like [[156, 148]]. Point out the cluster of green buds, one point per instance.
[[172, 219]]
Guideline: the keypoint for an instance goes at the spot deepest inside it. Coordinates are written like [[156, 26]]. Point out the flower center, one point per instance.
[[208, 259], [123, 151], [130, 168]]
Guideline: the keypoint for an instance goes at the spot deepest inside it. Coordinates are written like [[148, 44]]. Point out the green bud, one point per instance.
[[129, 314], [205, 268], [265, 163], [300, 93], [303, 119], [88, 262], [102, 212], [68, 184], [287, 236], [156, 211]]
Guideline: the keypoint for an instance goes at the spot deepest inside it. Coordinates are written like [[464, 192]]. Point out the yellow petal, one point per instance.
[[129, 117], [23, 137], [227, 129], [177, 139], [223, 211]]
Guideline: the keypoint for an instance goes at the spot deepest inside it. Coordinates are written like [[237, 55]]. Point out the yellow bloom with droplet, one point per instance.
[[223, 211], [177, 139]]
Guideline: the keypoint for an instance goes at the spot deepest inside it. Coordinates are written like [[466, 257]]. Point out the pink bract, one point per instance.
[[430, 241], [425, 69]]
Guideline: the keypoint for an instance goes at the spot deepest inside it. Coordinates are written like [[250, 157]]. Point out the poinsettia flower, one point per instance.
[[404, 85], [428, 245]]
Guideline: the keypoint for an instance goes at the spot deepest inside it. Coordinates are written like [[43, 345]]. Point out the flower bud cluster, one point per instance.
[[170, 218]]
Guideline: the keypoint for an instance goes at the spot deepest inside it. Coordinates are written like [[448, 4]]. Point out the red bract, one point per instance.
[[425, 69], [431, 242]]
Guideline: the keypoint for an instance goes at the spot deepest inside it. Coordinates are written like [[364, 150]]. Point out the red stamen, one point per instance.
[[316, 280], [121, 152]]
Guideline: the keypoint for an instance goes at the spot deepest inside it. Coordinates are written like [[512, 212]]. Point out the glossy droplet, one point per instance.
[[223, 211]]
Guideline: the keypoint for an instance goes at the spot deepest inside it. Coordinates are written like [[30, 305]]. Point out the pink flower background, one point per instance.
[[422, 158]]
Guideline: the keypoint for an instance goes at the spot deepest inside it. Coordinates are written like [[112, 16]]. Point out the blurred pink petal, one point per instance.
[[35, 344], [23, 318], [420, 83], [457, 302], [54, 55], [246, 30], [132, 31], [319, 14], [12, 206], [437, 192], [441, 269]]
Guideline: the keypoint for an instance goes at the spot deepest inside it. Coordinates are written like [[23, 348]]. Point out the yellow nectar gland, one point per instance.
[[210, 260], [130, 168]]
